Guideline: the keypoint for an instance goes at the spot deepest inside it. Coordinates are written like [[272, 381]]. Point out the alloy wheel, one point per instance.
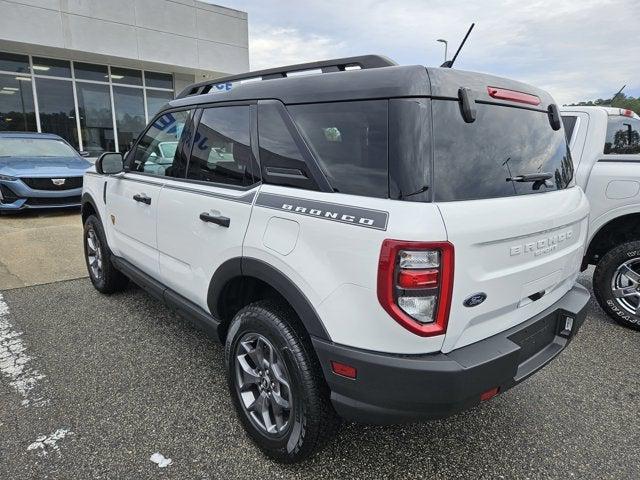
[[625, 286], [263, 384], [94, 254]]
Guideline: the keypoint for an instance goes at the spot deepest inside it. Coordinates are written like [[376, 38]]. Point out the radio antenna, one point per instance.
[[449, 63]]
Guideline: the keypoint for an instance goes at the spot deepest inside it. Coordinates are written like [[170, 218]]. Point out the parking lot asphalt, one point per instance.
[[40, 247], [91, 386]]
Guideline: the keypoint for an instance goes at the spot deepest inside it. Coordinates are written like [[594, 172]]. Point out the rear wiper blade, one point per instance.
[[531, 177]]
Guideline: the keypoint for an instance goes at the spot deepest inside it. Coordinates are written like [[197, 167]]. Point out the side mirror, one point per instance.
[[85, 154], [110, 163]]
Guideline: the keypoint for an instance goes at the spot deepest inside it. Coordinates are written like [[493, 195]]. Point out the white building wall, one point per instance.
[[186, 36]]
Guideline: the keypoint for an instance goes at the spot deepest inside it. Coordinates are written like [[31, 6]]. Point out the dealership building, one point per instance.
[[95, 71]]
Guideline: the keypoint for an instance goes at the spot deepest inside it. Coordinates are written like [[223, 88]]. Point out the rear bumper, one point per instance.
[[395, 388]]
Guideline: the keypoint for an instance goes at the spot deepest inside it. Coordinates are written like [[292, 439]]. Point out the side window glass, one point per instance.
[[157, 151], [623, 136], [221, 149], [280, 159]]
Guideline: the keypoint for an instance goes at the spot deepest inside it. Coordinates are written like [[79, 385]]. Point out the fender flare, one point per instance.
[[87, 198], [252, 267]]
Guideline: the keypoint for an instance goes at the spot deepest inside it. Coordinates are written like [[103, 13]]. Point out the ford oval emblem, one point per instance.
[[475, 299]]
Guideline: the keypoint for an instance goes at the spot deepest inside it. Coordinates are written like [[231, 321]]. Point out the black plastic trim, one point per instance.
[[87, 198], [196, 315], [252, 267], [399, 388]]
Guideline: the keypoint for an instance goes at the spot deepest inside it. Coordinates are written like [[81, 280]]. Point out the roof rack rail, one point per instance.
[[336, 65]]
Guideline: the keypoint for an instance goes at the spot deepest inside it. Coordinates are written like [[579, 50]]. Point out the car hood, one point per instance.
[[43, 166]]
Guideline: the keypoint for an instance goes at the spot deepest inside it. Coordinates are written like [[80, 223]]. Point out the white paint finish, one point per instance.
[[130, 33], [335, 265], [191, 250], [622, 189], [16, 363], [165, 16], [215, 27], [134, 232], [46, 444], [160, 460], [485, 235], [44, 26], [281, 235]]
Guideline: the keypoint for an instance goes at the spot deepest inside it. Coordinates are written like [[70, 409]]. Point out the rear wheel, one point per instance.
[[616, 284], [276, 383], [103, 274]]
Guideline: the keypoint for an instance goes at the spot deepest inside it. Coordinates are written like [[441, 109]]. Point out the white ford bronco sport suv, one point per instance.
[[605, 143], [375, 242]]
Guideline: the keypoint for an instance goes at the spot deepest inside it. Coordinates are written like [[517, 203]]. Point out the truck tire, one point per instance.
[[276, 383], [103, 275], [616, 284]]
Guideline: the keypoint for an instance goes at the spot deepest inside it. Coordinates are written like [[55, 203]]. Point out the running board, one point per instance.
[[185, 308]]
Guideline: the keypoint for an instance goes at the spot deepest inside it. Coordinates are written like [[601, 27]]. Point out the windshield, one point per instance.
[[35, 147]]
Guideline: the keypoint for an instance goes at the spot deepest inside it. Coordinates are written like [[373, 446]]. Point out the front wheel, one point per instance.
[[616, 284], [103, 274], [276, 383]]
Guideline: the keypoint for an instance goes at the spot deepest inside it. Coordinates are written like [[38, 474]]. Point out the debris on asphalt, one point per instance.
[[161, 460]]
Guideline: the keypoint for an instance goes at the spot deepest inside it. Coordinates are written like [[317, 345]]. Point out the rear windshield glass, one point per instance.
[[349, 140], [486, 158], [31, 147], [623, 136]]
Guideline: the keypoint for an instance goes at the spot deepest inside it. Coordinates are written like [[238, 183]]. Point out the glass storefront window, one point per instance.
[[130, 120], [16, 104], [57, 109], [126, 76], [158, 80], [51, 67], [96, 121], [89, 71], [10, 62], [156, 99], [98, 95]]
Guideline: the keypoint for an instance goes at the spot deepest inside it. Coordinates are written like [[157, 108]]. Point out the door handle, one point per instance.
[[142, 199], [217, 219]]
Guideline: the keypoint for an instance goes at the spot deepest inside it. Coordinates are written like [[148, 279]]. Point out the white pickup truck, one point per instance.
[[605, 145]]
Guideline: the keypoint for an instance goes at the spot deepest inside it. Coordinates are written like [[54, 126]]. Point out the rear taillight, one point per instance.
[[513, 96], [415, 283]]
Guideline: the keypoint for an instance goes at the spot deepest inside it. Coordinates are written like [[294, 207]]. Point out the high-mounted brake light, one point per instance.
[[415, 283], [513, 96], [626, 112]]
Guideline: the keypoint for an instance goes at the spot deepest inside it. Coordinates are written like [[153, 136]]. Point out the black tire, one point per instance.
[[607, 277], [312, 420], [107, 279]]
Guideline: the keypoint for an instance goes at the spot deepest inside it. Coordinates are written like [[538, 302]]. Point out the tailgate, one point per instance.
[[523, 252]]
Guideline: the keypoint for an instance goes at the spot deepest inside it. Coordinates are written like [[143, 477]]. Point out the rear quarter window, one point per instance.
[[481, 159], [349, 139], [623, 136]]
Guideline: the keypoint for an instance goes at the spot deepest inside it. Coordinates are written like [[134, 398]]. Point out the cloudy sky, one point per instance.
[[576, 49]]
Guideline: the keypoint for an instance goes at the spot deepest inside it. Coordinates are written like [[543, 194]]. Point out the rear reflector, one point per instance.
[[513, 96], [344, 370], [489, 394], [418, 278]]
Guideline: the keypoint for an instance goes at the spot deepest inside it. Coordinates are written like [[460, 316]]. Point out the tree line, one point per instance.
[[621, 101]]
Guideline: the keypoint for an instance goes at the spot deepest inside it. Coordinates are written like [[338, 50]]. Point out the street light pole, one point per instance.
[[442, 40]]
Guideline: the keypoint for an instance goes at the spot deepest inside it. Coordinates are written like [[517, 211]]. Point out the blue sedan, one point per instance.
[[39, 170]]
